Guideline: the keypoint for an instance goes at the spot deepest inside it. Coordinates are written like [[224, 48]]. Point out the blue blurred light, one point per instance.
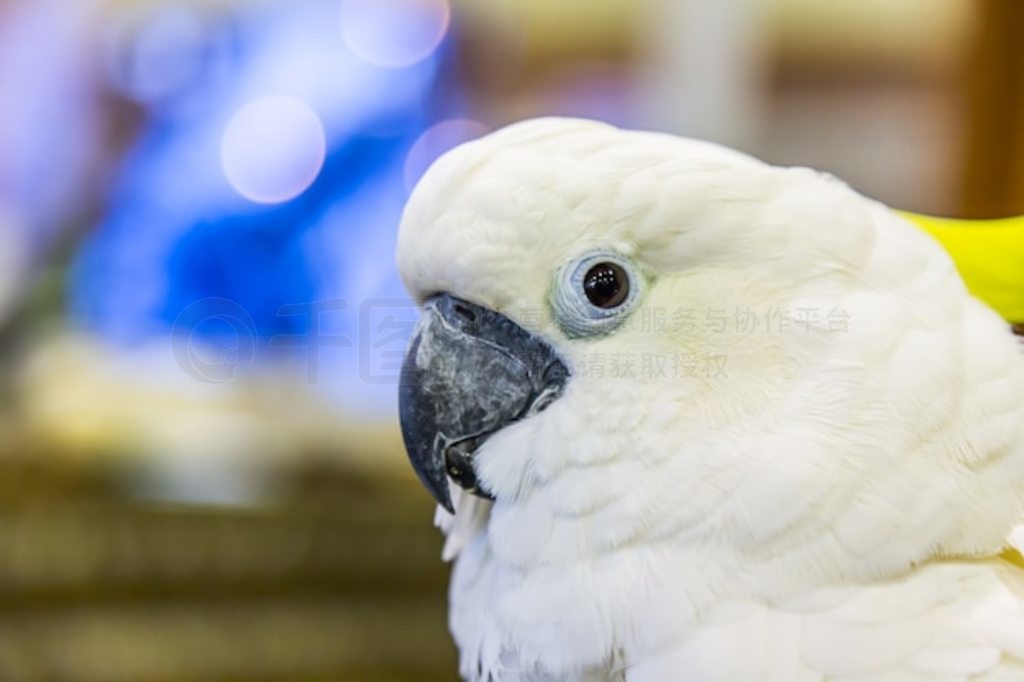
[[394, 33], [273, 149], [50, 132], [186, 224], [155, 52], [435, 141]]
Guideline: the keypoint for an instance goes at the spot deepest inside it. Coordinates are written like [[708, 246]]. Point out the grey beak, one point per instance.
[[469, 372]]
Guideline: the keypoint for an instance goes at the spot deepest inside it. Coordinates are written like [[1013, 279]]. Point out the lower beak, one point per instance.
[[468, 373]]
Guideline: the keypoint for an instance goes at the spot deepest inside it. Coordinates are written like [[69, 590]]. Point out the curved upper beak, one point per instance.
[[469, 371]]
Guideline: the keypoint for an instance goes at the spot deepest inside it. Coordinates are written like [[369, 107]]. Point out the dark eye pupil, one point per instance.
[[606, 285]]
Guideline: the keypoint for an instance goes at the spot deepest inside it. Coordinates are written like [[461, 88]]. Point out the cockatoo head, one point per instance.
[[655, 333]]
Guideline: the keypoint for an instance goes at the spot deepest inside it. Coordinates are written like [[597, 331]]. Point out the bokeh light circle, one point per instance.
[[394, 33], [156, 52], [435, 141], [273, 149]]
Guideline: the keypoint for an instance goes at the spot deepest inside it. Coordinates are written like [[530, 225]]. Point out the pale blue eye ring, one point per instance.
[[594, 294]]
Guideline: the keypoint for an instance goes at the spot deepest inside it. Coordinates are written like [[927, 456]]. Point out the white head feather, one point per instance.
[[879, 425]]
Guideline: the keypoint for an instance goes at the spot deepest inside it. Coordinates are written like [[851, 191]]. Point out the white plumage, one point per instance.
[[825, 501]]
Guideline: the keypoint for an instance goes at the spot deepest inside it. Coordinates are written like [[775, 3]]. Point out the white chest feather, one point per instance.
[[945, 621]]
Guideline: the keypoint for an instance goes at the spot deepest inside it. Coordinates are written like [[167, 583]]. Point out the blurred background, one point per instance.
[[200, 322]]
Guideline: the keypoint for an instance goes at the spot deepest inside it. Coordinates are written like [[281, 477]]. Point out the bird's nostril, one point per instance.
[[465, 313]]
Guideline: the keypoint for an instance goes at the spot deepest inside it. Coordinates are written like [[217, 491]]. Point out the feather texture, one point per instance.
[[821, 493]]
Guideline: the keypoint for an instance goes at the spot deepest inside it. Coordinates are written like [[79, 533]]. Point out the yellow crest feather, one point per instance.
[[989, 254]]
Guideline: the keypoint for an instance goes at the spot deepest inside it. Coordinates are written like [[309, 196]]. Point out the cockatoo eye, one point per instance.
[[593, 294], [606, 285]]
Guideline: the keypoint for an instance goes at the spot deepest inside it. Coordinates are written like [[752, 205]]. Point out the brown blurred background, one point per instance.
[[200, 322]]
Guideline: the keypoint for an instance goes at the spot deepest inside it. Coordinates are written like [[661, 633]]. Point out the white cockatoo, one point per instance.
[[689, 416]]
